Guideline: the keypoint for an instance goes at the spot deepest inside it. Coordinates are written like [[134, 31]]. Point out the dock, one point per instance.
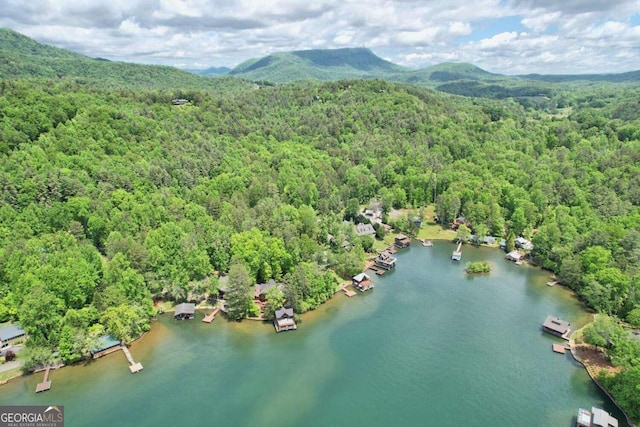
[[457, 254], [133, 365], [348, 292], [46, 383], [552, 283], [379, 271], [210, 317], [559, 348]]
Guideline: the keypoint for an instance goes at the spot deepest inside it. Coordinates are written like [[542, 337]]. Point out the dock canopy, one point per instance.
[[104, 343], [602, 418], [9, 333], [556, 326], [360, 278], [185, 311]]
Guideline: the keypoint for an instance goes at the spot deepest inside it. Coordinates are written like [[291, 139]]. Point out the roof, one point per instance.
[[489, 240], [602, 418], [584, 417], [364, 229], [556, 324], [185, 308], [360, 277], [223, 283], [10, 332], [288, 312], [105, 342], [261, 288], [401, 237]]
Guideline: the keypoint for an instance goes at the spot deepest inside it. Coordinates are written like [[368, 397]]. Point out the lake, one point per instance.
[[428, 346]]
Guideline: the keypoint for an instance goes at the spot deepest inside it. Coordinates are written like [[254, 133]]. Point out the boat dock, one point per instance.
[[559, 348], [457, 254], [210, 317], [46, 383], [379, 271], [133, 365], [347, 292], [552, 283]]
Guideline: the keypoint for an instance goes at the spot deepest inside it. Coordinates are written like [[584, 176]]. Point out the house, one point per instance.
[[10, 333], [556, 326], [180, 101], [523, 243], [185, 311], [284, 320], [362, 282], [596, 418], [503, 244], [515, 256], [261, 289], [385, 261], [402, 241], [490, 240], [105, 344], [365, 229]]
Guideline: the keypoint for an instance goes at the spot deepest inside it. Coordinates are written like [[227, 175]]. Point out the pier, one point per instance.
[[348, 292], [209, 318], [133, 365], [46, 383], [457, 254]]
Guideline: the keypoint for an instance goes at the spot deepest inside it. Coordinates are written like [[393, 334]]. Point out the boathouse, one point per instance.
[[185, 311], [402, 241], [105, 344], [385, 261], [556, 326], [596, 418], [362, 282], [515, 256], [284, 320], [9, 334]]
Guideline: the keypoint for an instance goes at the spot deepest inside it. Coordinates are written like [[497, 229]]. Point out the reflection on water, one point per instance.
[[428, 343]]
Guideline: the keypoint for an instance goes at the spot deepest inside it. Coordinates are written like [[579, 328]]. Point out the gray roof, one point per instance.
[[364, 229], [288, 312], [556, 324], [105, 342], [489, 240], [360, 277], [261, 288], [185, 308], [602, 418], [10, 332]]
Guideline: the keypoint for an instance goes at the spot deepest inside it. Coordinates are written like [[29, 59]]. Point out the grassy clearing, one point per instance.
[[11, 373]]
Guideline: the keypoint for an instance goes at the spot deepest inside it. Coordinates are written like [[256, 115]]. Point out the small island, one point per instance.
[[478, 267]]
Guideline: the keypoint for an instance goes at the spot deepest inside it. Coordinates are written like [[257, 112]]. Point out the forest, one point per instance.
[[113, 198]]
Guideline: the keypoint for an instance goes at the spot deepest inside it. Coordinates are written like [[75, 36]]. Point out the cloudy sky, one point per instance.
[[505, 36]]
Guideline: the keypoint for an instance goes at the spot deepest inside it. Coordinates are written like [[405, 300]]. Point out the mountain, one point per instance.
[[317, 64], [447, 72], [22, 58], [211, 71]]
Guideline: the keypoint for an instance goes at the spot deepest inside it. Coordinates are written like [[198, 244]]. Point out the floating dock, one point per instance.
[[559, 348], [46, 383], [209, 318], [133, 365]]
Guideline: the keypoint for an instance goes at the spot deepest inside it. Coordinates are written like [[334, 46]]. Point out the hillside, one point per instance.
[[22, 57]]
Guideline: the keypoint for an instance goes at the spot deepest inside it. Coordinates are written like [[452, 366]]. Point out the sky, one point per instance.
[[501, 36]]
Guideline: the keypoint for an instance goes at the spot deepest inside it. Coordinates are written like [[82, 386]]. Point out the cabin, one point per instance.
[[365, 229], [515, 256], [104, 345], [556, 326], [385, 261], [362, 282], [9, 334], [284, 320], [179, 101], [595, 418], [185, 311], [523, 243], [489, 240], [260, 292], [402, 241]]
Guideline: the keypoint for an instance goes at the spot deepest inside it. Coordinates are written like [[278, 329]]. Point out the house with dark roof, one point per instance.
[[284, 320], [105, 344], [185, 311], [365, 229], [362, 282], [556, 326], [9, 334]]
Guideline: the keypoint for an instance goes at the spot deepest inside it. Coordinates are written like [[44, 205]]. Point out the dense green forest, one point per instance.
[[111, 197]]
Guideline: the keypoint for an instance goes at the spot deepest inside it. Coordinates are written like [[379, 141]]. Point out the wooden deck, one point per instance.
[[133, 365], [46, 383], [559, 348], [348, 292], [209, 318]]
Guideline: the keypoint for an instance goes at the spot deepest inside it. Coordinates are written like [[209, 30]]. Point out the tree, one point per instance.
[[463, 233], [275, 300], [239, 297], [633, 317]]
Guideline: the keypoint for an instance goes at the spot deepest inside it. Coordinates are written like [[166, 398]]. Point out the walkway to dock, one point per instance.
[[133, 365], [209, 318], [46, 383]]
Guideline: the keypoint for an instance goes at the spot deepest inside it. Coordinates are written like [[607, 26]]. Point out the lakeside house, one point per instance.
[[260, 291], [523, 243], [362, 282], [402, 241], [515, 256], [503, 244], [385, 261], [488, 240], [185, 311], [284, 320], [105, 344], [556, 326], [596, 418], [9, 334], [365, 230]]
